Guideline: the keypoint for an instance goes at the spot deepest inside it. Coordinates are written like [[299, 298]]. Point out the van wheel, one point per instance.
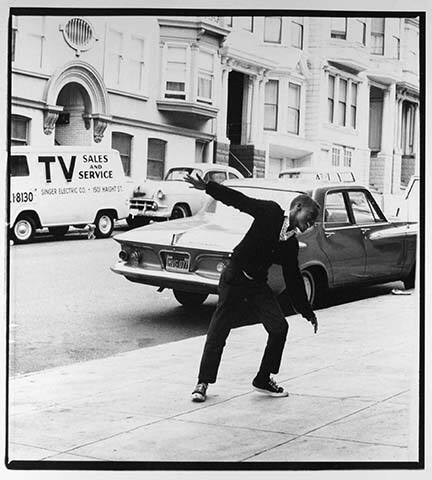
[[23, 230], [59, 231], [135, 222], [179, 211], [189, 299], [104, 225]]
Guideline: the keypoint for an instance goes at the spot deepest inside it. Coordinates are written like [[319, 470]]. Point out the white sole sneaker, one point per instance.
[[198, 397], [271, 394]]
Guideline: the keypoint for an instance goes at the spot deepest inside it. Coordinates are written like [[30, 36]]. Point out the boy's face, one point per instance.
[[302, 217]]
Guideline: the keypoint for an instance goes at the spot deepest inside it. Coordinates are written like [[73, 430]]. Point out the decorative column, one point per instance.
[[223, 105], [254, 107], [387, 137], [416, 144], [261, 97], [397, 155], [193, 91]]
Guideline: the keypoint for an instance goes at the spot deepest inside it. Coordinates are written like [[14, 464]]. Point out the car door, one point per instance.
[[342, 241], [384, 252]]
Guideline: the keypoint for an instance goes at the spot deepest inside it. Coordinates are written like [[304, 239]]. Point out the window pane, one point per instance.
[[294, 95], [18, 166], [335, 209], [342, 89], [156, 149], [176, 55], [353, 117], [354, 94], [341, 113], [270, 113], [206, 61], [272, 29], [155, 170], [293, 121], [330, 110], [331, 86], [361, 208], [19, 128], [336, 156], [296, 35], [205, 86], [122, 143], [338, 24], [271, 91], [377, 25], [175, 86]]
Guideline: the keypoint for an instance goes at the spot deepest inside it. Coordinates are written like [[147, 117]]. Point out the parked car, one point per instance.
[[172, 197], [352, 243], [309, 173]]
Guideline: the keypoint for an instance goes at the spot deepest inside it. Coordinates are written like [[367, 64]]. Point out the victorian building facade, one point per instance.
[[259, 93]]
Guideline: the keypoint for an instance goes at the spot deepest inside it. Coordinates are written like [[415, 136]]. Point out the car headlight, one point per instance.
[[160, 195]]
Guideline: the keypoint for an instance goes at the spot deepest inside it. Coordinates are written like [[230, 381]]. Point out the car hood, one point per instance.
[[150, 187], [202, 231]]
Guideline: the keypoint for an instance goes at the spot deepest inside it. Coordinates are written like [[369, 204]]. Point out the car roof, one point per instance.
[[206, 166], [294, 184], [317, 170]]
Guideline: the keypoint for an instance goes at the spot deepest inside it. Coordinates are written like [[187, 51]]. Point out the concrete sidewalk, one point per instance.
[[353, 397]]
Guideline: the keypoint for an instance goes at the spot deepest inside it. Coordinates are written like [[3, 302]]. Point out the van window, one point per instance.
[[19, 166]]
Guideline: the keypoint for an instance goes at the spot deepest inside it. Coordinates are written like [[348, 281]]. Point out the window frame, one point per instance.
[[163, 161], [118, 54], [363, 30], [126, 167], [374, 36], [141, 61], [342, 102], [353, 106], [276, 105], [15, 141], [275, 42], [177, 94], [201, 73], [331, 99], [301, 25], [396, 47], [339, 34], [331, 225], [252, 22], [292, 108], [13, 158], [372, 206]]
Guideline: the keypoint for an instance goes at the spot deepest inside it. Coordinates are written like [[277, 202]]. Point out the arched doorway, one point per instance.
[[72, 126]]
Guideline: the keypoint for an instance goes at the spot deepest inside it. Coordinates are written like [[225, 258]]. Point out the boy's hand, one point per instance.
[[197, 183], [314, 321]]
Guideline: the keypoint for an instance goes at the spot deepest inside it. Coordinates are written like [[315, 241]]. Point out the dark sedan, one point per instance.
[[352, 243]]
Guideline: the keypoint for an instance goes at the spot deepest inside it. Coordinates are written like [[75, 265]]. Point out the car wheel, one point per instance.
[[135, 222], [23, 230], [179, 211], [188, 299], [104, 225], [59, 231]]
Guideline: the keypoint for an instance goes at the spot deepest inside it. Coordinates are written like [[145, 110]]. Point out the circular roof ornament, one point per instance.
[[79, 34]]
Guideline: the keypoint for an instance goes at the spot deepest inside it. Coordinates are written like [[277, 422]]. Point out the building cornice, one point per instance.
[[187, 132], [30, 73], [28, 103], [121, 93]]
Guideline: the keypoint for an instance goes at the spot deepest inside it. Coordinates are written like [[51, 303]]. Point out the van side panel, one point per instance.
[[70, 186]]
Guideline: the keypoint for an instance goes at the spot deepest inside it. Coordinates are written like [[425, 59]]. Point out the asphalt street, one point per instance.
[[66, 306]]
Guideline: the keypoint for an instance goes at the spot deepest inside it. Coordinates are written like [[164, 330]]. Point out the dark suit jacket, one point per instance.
[[260, 247]]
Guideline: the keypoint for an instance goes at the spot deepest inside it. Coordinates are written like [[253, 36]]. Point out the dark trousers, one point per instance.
[[234, 289]]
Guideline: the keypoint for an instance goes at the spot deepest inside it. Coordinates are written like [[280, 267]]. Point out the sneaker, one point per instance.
[[269, 387], [199, 393]]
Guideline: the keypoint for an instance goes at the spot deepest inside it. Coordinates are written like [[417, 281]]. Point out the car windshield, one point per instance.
[[178, 174], [230, 215]]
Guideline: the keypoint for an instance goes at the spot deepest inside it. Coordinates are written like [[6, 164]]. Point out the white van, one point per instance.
[[57, 187]]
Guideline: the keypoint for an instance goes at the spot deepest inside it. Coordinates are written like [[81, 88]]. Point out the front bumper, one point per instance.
[[148, 208], [188, 282]]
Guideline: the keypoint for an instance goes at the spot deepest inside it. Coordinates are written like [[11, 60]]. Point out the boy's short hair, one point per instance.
[[307, 201]]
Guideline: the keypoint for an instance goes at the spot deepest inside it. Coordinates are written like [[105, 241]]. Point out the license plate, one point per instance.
[[177, 262]]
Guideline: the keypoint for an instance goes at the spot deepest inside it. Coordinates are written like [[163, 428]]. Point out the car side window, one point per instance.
[[217, 177], [363, 210], [335, 212], [232, 176], [19, 166]]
